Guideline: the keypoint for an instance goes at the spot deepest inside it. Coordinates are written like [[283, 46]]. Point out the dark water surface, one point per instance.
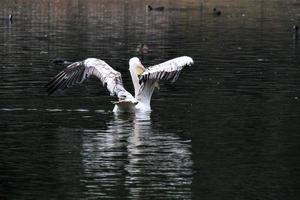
[[228, 129]]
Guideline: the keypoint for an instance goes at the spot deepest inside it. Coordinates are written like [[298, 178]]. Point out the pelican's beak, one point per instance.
[[139, 70]]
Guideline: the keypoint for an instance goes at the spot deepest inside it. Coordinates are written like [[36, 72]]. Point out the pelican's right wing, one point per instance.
[[168, 70], [77, 72]]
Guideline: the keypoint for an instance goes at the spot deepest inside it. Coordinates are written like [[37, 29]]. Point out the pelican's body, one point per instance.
[[144, 80]]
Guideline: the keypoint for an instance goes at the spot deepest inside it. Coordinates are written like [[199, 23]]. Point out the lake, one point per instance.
[[227, 129]]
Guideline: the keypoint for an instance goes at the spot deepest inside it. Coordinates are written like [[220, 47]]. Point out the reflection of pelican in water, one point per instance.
[[144, 79], [133, 157]]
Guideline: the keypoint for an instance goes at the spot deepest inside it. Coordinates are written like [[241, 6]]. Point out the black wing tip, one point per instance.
[[60, 82], [53, 85], [49, 86], [50, 90]]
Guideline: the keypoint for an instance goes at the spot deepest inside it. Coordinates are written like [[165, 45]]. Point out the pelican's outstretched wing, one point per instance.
[[168, 70], [77, 72]]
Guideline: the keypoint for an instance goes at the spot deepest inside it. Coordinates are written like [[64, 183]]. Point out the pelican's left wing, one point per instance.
[[168, 70], [77, 72]]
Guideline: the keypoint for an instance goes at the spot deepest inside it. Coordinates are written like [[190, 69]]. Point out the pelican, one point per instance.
[[144, 80]]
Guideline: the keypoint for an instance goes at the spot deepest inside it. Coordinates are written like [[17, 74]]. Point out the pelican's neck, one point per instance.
[[136, 68], [135, 82]]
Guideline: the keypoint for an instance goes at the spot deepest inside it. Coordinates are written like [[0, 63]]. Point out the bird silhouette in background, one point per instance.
[[150, 8], [10, 17], [296, 32], [216, 12], [142, 49]]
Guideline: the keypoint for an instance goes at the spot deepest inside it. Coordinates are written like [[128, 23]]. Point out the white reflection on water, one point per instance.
[[132, 156]]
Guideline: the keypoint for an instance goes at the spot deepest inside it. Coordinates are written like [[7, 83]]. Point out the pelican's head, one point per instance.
[[135, 66]]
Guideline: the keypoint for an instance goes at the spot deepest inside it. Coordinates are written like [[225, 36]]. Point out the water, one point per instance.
[[228, 129]]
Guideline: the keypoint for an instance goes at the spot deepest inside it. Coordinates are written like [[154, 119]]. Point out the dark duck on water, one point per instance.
[[150, 8], [216, 12]]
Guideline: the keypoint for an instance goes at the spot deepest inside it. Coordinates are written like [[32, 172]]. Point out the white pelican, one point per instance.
[[144, 79]]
